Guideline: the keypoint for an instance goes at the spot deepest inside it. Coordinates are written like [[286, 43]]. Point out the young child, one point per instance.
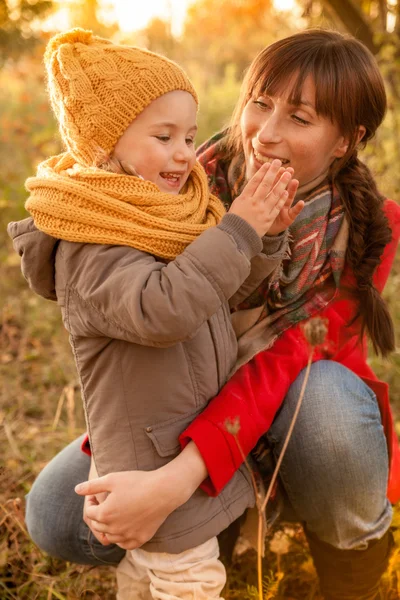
[[145, 267]]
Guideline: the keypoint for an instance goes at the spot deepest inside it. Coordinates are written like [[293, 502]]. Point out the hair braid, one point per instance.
[[368, 236]]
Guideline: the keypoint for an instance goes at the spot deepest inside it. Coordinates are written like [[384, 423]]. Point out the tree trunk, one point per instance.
[[354, 21]]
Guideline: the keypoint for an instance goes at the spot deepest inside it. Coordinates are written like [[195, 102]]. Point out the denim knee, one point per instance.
[[54, 512], [53, 515], [335, 470]]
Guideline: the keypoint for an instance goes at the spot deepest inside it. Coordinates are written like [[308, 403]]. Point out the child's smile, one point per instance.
[[173, 179]]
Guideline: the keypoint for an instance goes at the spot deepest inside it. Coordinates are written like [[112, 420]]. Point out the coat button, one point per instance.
[[149, 429]]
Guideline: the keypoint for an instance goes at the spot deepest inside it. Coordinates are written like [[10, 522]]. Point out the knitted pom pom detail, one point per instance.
[[72, 36]]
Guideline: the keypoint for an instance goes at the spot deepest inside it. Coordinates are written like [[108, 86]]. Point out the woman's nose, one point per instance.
[[270, 131]]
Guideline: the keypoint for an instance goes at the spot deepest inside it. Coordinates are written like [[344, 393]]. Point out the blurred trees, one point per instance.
[[223, 32], [373, 22], [218, 41], [88, 14], [376, 23], [17, 26]]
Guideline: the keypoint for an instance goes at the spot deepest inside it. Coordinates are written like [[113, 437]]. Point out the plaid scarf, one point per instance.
[[308, 280]]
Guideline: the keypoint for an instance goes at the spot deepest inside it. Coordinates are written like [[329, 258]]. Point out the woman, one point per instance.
[[310, 100]]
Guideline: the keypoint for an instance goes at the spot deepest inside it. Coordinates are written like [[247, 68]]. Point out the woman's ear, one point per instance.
[[344, 142], [361, 133], [341, 147]]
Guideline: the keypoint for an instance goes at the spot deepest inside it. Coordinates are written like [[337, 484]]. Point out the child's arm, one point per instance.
[[126, 294]]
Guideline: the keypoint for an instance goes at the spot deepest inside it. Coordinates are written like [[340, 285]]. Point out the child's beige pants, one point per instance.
[[195, 574]]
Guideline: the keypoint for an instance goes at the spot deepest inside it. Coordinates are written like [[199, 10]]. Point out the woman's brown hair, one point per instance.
[[350, 92]]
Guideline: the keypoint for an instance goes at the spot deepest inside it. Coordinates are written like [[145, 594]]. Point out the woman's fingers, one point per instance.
[[98, 516], [292, 189], [94, 486], [296, 209], [102, 537]]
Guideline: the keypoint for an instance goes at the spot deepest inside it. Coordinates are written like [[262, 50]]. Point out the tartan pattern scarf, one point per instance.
[[308, 279]]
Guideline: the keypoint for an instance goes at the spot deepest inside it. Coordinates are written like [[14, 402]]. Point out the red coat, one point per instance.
[[257, 389]]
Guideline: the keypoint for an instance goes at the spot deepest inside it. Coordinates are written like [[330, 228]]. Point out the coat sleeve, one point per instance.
[[122, 293], [255, 392], [275, 249]]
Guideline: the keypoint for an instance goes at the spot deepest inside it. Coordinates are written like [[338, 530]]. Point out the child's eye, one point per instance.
[[190, 141], [300, 120], [163, 138]]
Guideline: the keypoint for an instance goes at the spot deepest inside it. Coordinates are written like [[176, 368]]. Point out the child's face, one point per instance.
[[159, 143]]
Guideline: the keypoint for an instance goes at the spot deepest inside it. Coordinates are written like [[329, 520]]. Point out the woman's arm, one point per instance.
[[138, 502], [252, 396], [257, 389]]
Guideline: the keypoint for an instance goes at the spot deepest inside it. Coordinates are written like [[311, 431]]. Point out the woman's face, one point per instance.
[[273, 128]]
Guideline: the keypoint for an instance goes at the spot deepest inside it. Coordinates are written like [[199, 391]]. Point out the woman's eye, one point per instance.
[[163, 138], [300, 120], [261, 104]]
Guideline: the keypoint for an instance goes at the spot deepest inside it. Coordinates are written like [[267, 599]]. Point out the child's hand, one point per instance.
[[264, 197]]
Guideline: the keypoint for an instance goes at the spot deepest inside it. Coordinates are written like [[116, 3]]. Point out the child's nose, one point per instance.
[[183, 153]]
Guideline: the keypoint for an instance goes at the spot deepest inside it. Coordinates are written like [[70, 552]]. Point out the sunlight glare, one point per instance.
[[284, 5], [136, 15]]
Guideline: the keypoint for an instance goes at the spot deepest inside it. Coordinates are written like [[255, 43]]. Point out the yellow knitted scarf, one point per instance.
[[89, 205]]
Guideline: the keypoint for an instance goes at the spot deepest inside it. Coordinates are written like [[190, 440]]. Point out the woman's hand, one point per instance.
[[264, 196], [288, 214], [94, 500], [138, 502]]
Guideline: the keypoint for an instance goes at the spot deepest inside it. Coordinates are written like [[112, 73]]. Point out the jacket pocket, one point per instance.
[[164, 436]]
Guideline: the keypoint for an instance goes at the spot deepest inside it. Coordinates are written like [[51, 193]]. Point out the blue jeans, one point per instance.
[[334, 474]]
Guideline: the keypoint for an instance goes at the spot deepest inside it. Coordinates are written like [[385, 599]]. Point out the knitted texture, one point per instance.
[[97, 89], [82, 204]]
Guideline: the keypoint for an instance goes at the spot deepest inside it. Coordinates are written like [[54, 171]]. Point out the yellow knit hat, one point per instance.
[[97, 88]]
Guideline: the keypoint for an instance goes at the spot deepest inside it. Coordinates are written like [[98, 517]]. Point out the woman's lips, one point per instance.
[[262, 159]]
